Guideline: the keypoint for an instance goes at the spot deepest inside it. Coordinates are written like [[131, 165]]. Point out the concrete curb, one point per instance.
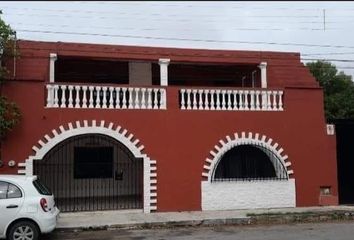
[[168, 224], [303, 217], [251, 219]]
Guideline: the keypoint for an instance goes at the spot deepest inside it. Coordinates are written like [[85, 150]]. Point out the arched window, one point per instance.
[[249, 162]]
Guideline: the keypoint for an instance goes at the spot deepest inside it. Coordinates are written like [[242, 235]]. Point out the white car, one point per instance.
[[27, 208]]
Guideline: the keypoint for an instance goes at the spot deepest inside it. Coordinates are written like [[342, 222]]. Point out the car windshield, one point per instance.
[[41, 188]]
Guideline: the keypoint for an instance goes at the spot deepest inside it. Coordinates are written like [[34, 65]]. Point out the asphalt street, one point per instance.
[[313, 231]]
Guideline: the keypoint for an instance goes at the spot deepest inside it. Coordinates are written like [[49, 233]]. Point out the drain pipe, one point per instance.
[[253, 77], [243, 81]]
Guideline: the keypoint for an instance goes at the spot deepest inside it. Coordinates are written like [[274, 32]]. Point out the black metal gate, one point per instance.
[[92, 172], [345, 160]]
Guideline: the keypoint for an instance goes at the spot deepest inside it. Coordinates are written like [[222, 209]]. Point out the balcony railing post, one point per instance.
[[246, 100], [252, 100], [149, 103], [212, 104], [280, 100], [77, 99], [200, 93], [98, 100], [163, 98], [130, 101], [70, 101], [241, 99], [55, 96], [104, 99], [206, 101], [189, 99], [269, 103], [118, 92], [111, 89], [63, 100], [258, 95], [182, 99], [217, 99], [275, 107], [229, 103], [235, 100], [124, 90], [264, 100], [49, 96], [223, 100], [91, 88], [136, 99], [84, 98], [194, 101], [155, 105], [143, 104]]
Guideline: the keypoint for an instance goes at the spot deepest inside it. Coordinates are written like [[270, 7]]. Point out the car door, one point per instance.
[[11, 200]]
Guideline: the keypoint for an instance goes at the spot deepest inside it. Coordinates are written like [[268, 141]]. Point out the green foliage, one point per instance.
[[338, 90], [9, 116], [9, 112]]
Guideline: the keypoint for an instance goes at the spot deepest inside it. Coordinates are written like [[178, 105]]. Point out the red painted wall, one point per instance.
[[181, 140]]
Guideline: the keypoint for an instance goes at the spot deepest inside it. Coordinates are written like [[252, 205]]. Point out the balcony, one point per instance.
[[105, 97], [231, 99], [129, 84], [155, 98]]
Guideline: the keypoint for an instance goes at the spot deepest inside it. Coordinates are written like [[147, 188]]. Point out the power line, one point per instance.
[[167, 18], [186, 39], [328, 59], [203, 5], [331, 53], [159, 29]]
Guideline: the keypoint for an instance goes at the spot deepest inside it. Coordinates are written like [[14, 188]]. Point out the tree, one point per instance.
[[9, 112], [338, 90]]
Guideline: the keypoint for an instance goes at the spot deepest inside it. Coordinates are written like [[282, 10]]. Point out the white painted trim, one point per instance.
[[120, 134], [164, 62], [52, 58], [230, 142], [263, 67], [248, 194]]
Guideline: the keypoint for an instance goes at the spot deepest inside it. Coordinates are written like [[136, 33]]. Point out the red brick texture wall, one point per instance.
[[181, 140]]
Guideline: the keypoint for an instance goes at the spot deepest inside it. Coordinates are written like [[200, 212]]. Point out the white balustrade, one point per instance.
[[104, 97], [228, 100]]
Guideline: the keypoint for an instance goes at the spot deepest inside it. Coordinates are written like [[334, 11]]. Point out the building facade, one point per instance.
[[167, 129]]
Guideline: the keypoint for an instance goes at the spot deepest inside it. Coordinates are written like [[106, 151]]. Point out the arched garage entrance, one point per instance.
[[245, 172], [92, 172], [121, 138]]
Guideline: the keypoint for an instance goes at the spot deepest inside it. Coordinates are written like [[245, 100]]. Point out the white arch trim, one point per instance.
[[228, 143], [230, 195], [118, 133]]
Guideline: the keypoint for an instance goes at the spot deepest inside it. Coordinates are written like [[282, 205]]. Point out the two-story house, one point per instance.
[[167, 129]]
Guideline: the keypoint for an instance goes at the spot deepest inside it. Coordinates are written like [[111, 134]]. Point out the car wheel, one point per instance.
[[23, 230]]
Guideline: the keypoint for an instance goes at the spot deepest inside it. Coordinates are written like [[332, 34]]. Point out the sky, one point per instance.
[[318, 30]]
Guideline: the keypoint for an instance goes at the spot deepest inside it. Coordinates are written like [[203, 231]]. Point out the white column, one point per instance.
[[52, 57], [163, 62], [263, 67]]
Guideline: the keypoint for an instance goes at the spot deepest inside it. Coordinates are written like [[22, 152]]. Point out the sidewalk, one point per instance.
[[137, 219]]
